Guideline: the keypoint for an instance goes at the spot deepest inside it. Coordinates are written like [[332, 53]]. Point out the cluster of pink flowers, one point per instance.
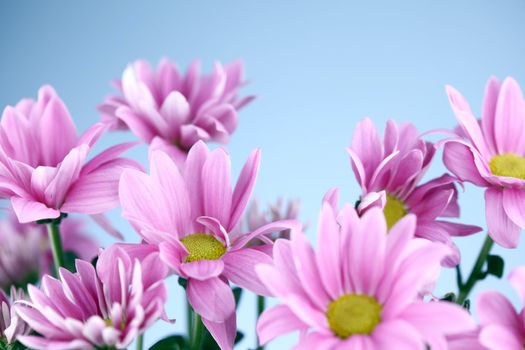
[[368, 284]]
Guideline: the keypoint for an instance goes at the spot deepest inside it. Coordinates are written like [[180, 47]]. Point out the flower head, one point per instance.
[[360, 289], [11, 325], [190, 215], [502, 327], [106, 307], [172, 110], [42, 162], [25, 253], [492, 155], [390, 172]]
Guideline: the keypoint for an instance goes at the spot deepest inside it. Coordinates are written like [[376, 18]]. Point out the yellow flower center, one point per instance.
[[202, 247], [394, 210], [353, 314], [510, 165]]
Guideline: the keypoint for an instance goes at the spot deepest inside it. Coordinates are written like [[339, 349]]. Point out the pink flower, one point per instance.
[[173, 111], [465, 341], [255, 217], [189, 215], [11, 325], [106, 307], [25, 253], [42, 162], [360, 289], [389, 173], [492, 155], [501, 326]]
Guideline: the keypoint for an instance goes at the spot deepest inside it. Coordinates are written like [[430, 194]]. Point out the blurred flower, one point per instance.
[[389, 173], [493, 155], [189, 215], [25, 253], [360, 289], [11, 325], [501, 326], [255, 217], [173, 111], [465, 341], [106, 307], [42, 160]]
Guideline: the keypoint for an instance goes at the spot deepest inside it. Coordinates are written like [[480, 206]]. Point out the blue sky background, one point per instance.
[[318, 67]]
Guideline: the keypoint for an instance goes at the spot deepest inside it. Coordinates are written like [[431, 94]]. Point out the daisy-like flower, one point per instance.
[[11, 325], [25, 252], [189, 215], [92, 309], [492, 155], [389, 173], [502, 327], [256, 217], [360, 289], [172, 110], [42, 162]]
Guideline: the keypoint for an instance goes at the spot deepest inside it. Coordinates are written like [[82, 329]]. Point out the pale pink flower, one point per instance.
[[92, 309], [43, 168], [360, 289], [25, 253], [11, 325], [256, 217], [492, 155], [465, 341], [389, 173], [502, 327], [189, 215], [172, 110]]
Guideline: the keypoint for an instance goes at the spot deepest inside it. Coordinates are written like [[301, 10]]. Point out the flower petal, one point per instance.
[[212, 299], [501, 228]]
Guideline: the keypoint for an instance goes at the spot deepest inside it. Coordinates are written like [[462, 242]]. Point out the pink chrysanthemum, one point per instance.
[[189, 215], [91, 309], [42, 162], [173, 111], [360, 289], [492, 155], [389, 173], [11, 325], [501, 326], [25, 253]]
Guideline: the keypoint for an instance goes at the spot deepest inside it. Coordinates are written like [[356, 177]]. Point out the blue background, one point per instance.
[[318, 67]]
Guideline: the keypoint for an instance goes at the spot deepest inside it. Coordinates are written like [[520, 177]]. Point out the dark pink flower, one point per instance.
[[172, 110], [390, 172], [43, 168], [106, 307]]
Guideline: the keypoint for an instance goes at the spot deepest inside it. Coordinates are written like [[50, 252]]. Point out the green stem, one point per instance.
[[189, 319], [476, 274], [261, 301], [140, 341], [53, 231], [197, 333]]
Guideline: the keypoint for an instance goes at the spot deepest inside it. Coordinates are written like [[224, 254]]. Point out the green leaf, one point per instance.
[[450, 297], [173, 342], [69, 261], [237, 294], [495, 265], [183, 282]]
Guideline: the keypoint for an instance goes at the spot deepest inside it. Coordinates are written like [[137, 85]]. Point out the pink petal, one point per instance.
[[193, 176], [244, 188], [277, 321], [203, 269], [509, 124], [489, 113], [513, 204], [396, 334], [496, 337], [239, 268], [517, 280], [176, 154], [175, 109], [212, 299], [494, 308], [223, 332], [217, 190], [458, 158], [501, 228], [28, 211], [136, 123]]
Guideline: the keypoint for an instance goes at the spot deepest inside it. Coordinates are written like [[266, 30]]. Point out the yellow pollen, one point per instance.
[[394, 210], [108, 322], [510, 165], [202, 247], [353, 314]]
